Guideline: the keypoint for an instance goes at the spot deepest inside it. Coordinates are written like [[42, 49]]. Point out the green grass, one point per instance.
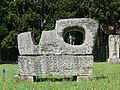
[[108, 78]]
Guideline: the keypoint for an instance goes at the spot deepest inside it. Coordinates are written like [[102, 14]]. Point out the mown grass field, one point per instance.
[[108, 78]]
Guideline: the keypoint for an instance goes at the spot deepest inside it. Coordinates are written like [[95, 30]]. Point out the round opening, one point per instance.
[[74, 35]]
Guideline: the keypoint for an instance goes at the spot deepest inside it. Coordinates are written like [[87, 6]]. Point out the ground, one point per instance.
[[108, 78]]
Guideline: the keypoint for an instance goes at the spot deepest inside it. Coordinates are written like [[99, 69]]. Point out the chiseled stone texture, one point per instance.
[[114, 41], [114, 60], [26, 44], [85, 78], [55, 65], [23, 78], [53, 56], [52, 41]]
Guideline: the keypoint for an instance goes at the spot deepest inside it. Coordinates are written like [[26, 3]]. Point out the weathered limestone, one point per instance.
[[52, 41], [114, 49], [55, 65], [23, 78], [26, 44], [86, 78], [53, 56]]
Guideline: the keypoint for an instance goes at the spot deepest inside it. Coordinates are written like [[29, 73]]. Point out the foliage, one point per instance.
[[108, 78], [18, 16]]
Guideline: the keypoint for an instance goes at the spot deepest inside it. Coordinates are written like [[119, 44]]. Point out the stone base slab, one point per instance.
[[23, 78], [85, 78], [55, 65], [31, 78], [114, 60]]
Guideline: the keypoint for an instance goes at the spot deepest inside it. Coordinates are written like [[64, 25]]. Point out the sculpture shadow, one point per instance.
[[54, 79], [101, 77]]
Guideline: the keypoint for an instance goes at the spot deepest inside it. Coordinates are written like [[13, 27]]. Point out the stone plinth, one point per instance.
[[55, 65], [23, 78], [53, 56], [86, 78], [114, 49]]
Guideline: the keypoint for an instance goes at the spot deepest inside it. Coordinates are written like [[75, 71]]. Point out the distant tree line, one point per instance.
[[18, 16]]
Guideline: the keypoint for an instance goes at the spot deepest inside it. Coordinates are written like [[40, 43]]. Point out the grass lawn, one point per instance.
[[108, 78]]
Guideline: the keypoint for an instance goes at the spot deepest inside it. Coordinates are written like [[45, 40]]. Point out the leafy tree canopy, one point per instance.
[[18, 16]]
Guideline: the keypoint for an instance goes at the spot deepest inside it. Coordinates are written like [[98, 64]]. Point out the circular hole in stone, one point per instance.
[[74, 35]]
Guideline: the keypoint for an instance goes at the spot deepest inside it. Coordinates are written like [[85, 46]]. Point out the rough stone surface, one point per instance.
[[57, 45], [26, 44], [53, 56], [85, 78], [114, 60], [55, 65], [23, 78], [114, 49]]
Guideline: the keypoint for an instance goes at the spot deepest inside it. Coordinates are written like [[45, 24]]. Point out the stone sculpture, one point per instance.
[[53, 56], [114, 57]]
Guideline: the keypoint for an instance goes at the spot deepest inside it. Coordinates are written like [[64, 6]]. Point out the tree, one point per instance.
[[18, 16]]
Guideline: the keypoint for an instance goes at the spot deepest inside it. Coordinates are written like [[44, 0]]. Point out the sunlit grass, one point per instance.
[[108, 78]]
